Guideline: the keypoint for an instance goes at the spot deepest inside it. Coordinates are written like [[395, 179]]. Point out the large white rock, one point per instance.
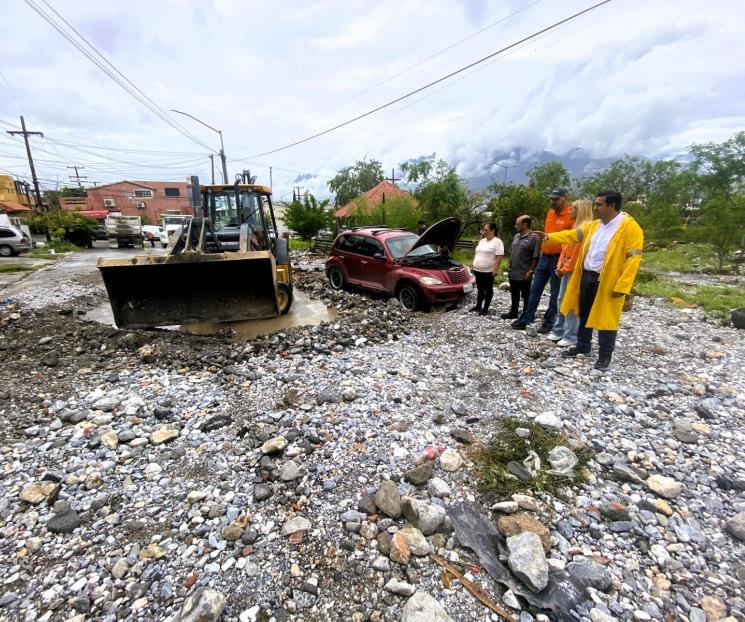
[[451, 460], [299, 523], [664, 486], [527, 560], [274, 445], [425, 517], [422, 607], [204, 605], [415, 539]]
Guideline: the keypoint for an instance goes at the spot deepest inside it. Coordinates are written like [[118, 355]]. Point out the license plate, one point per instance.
[[468, 287]]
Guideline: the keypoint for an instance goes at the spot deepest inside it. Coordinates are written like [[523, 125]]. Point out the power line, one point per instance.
[[418, 63], [123, 82], [431, 84]]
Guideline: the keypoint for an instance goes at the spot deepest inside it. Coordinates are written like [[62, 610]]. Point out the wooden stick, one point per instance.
[[473, 588]]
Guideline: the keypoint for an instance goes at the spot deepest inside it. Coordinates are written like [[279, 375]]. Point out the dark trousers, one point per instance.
[[545, 272], [606, 338], [519, 289], [484, 289]]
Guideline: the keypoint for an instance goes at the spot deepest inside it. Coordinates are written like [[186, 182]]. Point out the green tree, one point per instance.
[[720, 169], [60, 225], [398, 213], [307, 217], [351, 181], [629, 176], [440, 192], [508, 201], [52, 197], [545, 177]]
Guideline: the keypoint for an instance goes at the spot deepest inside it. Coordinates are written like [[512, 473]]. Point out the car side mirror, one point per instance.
[[379, 256]]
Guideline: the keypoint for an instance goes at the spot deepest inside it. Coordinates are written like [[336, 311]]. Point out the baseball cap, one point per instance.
[[559, 191]]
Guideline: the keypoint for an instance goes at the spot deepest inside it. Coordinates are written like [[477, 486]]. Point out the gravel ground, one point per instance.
[[144, 468]]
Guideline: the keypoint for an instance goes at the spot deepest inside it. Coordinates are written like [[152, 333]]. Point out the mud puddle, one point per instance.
[[304, 312]]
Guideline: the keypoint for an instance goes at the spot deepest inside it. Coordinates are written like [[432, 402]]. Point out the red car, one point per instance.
[[414, 269]]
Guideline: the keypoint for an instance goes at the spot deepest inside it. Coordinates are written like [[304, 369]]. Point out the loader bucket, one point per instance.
[[184, 288]]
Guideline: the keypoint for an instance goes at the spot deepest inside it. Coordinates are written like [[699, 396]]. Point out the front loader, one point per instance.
[[226, 264]]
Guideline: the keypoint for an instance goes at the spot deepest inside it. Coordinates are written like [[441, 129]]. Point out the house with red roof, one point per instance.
[[375, 196]]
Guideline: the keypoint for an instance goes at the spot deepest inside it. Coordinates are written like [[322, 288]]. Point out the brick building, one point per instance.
[[147, 199]]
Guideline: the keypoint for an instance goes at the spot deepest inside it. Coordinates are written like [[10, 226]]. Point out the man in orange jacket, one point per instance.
[[557, 219]]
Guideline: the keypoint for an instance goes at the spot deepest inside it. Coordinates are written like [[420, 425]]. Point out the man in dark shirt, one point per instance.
[[524, 253]]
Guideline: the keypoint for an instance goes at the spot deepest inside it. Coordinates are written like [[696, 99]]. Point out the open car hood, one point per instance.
[[443, 234]]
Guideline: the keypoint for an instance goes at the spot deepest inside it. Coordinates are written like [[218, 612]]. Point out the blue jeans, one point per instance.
[[566, 325], [545, 271], [606, 338]]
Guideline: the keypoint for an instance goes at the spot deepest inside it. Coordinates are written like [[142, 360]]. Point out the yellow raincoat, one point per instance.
[[617, 275]]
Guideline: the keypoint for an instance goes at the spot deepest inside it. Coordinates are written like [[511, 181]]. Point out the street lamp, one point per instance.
[[222, 146], [505, 170]]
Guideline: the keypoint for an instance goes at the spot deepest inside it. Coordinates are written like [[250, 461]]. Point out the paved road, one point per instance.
[[74, 264]]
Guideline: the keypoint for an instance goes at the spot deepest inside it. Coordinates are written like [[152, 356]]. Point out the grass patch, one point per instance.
[[491, 460], [58, 246], [296, 244], [15, 267], [715, 300], [686, 258]]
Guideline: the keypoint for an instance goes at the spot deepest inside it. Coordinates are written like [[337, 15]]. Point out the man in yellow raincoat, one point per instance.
[[606, 268]]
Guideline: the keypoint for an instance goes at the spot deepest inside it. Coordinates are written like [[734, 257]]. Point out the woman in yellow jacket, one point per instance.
[[603, 276]]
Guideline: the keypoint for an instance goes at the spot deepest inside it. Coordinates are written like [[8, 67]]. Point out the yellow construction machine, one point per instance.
[[226, 264]]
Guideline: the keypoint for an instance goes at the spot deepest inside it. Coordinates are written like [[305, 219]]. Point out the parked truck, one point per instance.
[[124, 231]]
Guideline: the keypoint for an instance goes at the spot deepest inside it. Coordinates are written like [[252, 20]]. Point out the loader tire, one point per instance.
[[284, 296]]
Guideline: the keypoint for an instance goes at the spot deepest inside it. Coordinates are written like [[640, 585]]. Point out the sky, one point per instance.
[[643, 77]]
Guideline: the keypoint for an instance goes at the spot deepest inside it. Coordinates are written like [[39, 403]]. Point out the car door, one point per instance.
[[374, 264], [348, 250]]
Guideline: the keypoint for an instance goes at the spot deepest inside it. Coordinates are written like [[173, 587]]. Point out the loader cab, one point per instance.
[[228, 207]]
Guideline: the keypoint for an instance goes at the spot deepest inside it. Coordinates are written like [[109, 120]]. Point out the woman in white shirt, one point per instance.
[[486, 261]]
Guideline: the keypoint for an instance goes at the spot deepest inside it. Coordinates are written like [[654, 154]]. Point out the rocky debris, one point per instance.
[[439, 488], [737, 316], [664, 486], [515, 524], [416, 541], [426, 517], [295, 525], [204, 605], [274, 445], [451, 460], [163, 435], [210, 509], [736, 526], [64, 522], [527, 560], [399, 549], [388, 500], [38, 492], [420, 475], [399, 587], [422, 607]]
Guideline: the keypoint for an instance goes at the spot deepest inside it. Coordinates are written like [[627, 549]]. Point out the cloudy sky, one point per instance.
[[646, 77]]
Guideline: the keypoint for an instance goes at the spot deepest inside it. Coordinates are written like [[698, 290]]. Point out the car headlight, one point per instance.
[[429, 280]]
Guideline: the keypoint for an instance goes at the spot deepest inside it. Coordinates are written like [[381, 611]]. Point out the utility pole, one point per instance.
[[393, 179], [26, 134], [271, 181], [222, 146], [298, 189], [212, 166], [77, 177]]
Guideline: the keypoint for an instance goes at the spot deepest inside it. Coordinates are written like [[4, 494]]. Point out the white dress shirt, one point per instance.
[[599, 244]]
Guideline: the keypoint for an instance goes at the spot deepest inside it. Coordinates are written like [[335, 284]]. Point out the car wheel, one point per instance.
[[6, 251], [336, 278], [408, 296], [284, 297]]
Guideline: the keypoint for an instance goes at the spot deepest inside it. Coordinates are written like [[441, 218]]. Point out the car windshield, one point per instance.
[[398, 247]]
